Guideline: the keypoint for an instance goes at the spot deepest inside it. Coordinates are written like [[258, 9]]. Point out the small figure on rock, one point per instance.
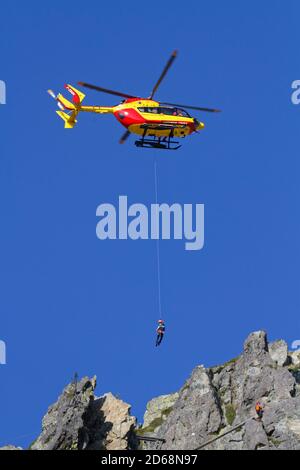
[[259, 408], [160, 330]]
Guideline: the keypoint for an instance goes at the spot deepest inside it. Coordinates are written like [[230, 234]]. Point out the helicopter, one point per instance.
[[156, 122]]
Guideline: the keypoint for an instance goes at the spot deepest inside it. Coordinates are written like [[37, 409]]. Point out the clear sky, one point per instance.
[[70, 302]]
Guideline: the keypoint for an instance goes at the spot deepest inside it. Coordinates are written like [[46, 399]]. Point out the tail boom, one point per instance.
[[97, 109]]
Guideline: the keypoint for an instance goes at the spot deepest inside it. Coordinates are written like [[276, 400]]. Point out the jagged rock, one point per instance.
[[282, 423], [256, 345], [63, 425], [279, 352], [255, 437], [79, 420], [157, 411], [195, 413], [217, 399], [110, 424], [295, 358], [214, 409]]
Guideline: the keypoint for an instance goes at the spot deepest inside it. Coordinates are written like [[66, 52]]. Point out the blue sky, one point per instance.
[[70, 302]]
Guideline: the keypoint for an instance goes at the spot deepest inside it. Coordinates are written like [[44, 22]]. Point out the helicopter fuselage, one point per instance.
[[134, 114], [156, 122]]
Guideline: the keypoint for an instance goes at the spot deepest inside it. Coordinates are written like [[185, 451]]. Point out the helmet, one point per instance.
[[161, 321]]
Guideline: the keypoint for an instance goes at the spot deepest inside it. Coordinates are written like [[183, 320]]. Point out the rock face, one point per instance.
[[157, 411], [214, 409], [295, 358], [216, 400], [79, 420], [279, 352], [110, 425]]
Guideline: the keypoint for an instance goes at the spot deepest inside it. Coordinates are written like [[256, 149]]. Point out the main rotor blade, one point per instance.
[[124, 137], [105, 90], [165, 70], [209, 110]]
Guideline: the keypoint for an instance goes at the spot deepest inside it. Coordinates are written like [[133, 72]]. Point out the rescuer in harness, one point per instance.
[[160, 330]]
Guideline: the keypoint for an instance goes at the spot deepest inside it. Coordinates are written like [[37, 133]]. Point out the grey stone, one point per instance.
[[295, 357], [79, 420], [195, 414], [255, 437], [214, 401], [279, 352], [157, 411]]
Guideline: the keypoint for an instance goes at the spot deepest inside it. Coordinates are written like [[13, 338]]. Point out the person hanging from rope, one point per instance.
[[160, 330], [259, 408]]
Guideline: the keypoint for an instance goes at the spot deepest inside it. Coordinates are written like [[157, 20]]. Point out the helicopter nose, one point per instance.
[[198, 125]]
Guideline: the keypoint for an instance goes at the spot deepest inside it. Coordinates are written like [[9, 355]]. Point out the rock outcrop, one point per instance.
[[79, 420], [217, 399], [110, 425], [157, 411], [214, 409], [279, 352]]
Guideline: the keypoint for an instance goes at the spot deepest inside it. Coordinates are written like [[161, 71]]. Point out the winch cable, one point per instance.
[[157, 241]]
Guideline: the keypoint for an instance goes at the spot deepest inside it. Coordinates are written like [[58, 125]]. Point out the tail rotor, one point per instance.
[[54, 96], [68, 110]]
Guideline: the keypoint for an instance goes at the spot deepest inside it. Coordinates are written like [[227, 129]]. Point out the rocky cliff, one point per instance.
[[216, 400], [81, 421], [214, 409]]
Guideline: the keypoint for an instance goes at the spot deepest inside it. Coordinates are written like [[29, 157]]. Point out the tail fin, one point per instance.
[[78, 97], [69, 119], [63, 104]]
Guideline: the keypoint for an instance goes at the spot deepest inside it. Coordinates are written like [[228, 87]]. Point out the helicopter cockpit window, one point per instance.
[[164, 110], [149, 110], [182, 112], [174, 112], [168, 111]]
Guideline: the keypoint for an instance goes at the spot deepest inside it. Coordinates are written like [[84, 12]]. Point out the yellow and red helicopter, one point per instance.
[[156, 122]]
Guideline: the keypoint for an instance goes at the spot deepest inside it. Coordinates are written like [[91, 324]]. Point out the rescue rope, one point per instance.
[[157, 244]]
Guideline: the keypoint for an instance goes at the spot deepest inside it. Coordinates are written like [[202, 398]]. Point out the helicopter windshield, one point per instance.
[[149, 110], [173, 111], [165, 110]]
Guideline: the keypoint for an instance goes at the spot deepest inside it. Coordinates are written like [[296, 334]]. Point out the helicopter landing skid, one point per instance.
[[158, 144]]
